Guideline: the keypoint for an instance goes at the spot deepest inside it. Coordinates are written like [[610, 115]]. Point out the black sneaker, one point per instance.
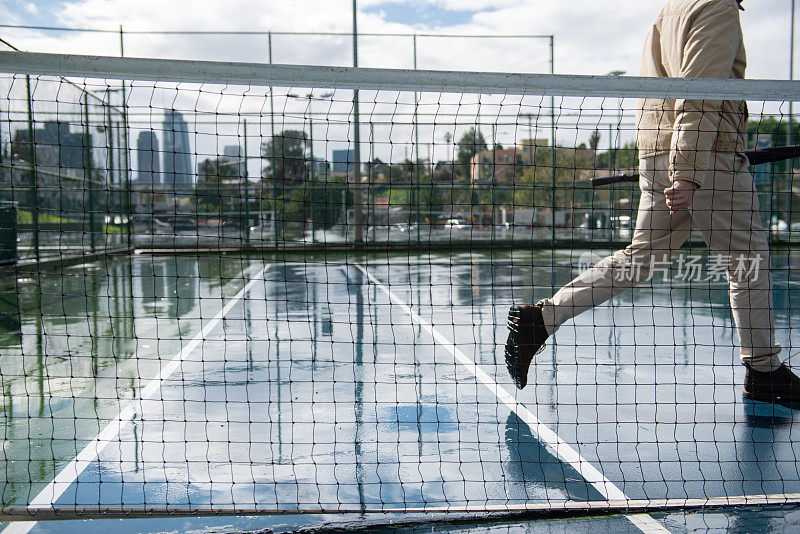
[[526, 337], [780, 386]]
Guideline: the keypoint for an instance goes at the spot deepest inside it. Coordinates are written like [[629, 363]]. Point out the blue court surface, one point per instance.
[[362, 383]]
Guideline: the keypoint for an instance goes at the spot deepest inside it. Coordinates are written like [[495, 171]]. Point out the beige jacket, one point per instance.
[[693, 39]]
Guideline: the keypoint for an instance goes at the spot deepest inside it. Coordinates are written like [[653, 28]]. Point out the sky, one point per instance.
[[590, 37]]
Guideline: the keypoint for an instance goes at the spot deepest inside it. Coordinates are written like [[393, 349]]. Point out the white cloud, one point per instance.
[[452, 5], [590, 37]]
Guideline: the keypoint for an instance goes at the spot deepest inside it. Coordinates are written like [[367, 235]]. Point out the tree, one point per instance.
[[626, 157], [216, 184], [594, 140], [327, 202], [470, 144], [286, 153]]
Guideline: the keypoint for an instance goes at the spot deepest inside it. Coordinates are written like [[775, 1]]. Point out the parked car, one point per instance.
[[622, 226], [455, 223]]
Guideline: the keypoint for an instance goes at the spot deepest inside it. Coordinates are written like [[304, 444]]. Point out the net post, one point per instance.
[[34, 178]]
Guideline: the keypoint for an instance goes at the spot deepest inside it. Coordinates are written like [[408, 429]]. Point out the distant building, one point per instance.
[[234, 155], [498, 165], [177, 152], [147, 157], [527, 148], [54, 146], [319, 169], [343, 161], [61, 162]]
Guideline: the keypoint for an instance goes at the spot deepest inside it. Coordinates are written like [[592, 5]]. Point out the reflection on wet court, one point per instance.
[[312, 389]]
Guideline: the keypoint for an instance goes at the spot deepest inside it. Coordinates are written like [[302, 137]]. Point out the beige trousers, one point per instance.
[[725, 211]]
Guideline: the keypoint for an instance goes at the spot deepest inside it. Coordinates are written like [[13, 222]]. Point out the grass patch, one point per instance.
[[26, 217]]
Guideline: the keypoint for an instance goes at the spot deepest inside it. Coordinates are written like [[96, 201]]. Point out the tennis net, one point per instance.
[[242, 289]]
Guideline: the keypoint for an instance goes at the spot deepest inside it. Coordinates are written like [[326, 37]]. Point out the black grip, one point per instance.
[[772, 154], [755, 157], [619, 178]]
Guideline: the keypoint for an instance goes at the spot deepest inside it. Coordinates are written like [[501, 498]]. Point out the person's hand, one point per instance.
[[679, 196]]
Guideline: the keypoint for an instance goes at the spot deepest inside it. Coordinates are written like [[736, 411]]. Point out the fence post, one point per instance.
[[88, 169], [34, 177], [126, 150], [276, 226], [246, 189], [312, 174]]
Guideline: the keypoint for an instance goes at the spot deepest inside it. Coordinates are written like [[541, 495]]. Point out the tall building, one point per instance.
[[54, 146], [149, 166], [177, 153], [233, 153], [343, 161]]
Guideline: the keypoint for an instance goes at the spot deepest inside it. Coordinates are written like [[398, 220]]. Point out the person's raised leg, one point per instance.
[[656, 236]]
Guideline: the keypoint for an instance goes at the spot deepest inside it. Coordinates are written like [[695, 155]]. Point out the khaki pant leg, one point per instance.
[[656, 236], [726, 212]]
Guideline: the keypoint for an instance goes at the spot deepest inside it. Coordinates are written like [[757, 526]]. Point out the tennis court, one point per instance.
[[276, 313], [347, 382]]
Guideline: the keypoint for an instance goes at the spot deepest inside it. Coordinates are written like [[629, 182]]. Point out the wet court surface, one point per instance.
[[347, 384]]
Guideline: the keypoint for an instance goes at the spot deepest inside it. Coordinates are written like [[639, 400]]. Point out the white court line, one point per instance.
[[562, 450], [51, 493]]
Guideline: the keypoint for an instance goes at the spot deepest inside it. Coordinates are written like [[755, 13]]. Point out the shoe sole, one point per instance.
[[513, 347]]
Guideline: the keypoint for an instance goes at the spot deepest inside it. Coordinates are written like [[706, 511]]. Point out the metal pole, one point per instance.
[[88, 170], [246, 189], [359, 237], [109, 141], [553, 145], [34, 178], [529, 149], [553, 166], [371, 199], [417, 185], [313, 165], [618, 141], [276, 225], [612, 165], [494, 178], [530, 131], [790, 138], [128, 210]]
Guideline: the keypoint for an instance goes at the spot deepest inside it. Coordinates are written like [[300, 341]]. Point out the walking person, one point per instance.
[[693, 175]]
